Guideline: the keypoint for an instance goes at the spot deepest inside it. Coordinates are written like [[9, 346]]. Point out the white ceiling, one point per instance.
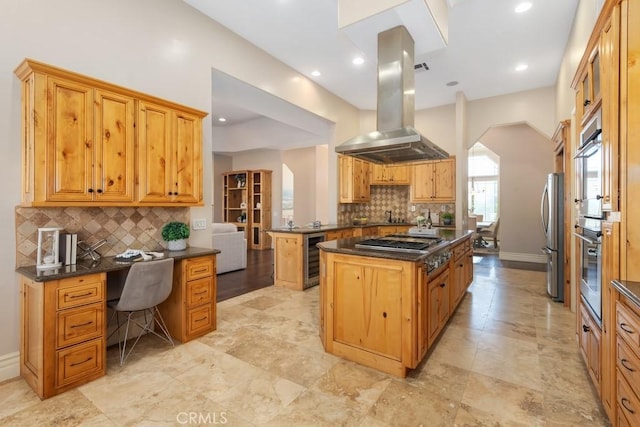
[[486, 40]]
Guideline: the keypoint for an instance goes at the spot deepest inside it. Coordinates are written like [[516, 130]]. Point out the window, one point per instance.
[[287, 195], [483, 188]]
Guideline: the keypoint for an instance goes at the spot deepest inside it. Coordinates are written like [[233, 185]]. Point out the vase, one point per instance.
[[177, 245]]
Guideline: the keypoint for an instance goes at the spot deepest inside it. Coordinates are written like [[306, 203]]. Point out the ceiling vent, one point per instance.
[[422, 66]]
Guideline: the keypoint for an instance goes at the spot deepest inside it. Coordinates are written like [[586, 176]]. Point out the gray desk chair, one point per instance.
[[147, 284]]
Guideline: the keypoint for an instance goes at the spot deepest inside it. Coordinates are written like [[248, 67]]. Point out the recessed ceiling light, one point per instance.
[[358, 60], [315, 73], [452, 83], [523, 7], [521, 67], [222, 119]]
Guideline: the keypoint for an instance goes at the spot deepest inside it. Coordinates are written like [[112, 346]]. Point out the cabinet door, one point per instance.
[[435, 301], [154, 152], [610, 60], [398, 174], [379, 174], [114, 147], [422, 182], [361, 186], [186, 160], [345, 167], [69, 150], [444, 179]]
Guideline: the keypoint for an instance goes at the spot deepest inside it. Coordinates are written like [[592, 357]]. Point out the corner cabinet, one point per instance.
[[79, 143], [354, 176], [434, 181]]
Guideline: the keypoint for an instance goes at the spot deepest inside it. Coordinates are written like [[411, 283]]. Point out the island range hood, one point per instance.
[[396, 140]]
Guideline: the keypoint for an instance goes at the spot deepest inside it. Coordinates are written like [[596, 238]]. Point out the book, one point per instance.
[[65, 248]]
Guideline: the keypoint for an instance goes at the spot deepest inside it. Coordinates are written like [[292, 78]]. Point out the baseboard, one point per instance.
[[9, 366], [515, 256]]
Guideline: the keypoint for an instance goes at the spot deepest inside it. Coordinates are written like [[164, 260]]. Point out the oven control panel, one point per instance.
[[435, 261]]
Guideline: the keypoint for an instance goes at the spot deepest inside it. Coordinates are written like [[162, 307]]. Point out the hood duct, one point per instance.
[[395, 140]]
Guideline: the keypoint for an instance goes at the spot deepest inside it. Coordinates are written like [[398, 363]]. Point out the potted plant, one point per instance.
[[175, 234], [447, 218]]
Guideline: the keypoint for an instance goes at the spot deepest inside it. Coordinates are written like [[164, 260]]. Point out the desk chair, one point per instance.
[[148, 283], [491, 232]]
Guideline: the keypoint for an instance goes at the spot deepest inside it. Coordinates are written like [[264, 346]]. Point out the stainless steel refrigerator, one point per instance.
[[552, 213]]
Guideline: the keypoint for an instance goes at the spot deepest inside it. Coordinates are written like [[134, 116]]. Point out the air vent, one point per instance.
[[422, 66]]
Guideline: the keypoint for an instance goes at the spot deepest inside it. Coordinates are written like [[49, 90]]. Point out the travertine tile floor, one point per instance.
[[508, 357]]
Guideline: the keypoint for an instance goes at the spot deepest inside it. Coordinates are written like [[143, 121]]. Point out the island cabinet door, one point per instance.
[[368, 307]]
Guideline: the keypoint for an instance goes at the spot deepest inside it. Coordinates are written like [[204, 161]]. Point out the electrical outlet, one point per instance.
[[199, 224], [413, 208]]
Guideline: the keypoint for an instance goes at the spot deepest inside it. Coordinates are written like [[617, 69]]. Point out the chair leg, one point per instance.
[[162, 326]]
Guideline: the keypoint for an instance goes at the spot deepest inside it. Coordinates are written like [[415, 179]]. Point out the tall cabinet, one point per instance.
[[247, 204]]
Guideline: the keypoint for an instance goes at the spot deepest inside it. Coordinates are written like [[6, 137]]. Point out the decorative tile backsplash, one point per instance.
[[389, 197], [122, 227]]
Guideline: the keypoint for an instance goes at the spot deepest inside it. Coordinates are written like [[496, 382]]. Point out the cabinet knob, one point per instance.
[[90, 190], [586, 102], [442, 285], [99, 190], [598, 197], [586, 328]]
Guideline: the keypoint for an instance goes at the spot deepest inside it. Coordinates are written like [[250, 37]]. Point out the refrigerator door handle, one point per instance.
[[586, 239], [545, 196], [545, 251]]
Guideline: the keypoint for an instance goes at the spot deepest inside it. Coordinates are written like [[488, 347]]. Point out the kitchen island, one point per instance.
[[296, 258], [385, 309]]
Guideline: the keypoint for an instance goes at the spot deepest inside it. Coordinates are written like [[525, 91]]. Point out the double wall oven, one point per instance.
[[590, 214]]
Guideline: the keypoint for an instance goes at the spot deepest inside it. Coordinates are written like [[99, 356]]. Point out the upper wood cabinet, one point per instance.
[[390, 174], [434, 181], [80, 137], [354, 177], [170, 157], [588, 95]]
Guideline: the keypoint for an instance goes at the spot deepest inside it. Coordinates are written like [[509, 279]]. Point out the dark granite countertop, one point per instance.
[[331, 227], [103, 265], [629, 289], [347, 246]]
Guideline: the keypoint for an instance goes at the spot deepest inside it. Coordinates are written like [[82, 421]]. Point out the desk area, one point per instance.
[[63, 315]]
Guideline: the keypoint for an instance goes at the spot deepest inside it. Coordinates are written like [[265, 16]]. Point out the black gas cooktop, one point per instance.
[[399, 243]]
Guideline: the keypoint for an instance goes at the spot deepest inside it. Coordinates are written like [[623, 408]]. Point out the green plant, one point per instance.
[[175, 231], [446, 215]]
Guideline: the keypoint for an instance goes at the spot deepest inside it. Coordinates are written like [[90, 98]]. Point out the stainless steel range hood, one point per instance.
[[395, 140]]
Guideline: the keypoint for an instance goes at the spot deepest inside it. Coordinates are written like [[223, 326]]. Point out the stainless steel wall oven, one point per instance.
[[590, 168], [591, 265]]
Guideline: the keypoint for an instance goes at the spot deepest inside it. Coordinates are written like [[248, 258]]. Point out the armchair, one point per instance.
[[233, 247]]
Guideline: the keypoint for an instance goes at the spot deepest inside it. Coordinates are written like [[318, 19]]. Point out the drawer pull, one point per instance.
[[80, 363], [624, 402], [623, 362], [200, 293], [629, 331], [201, 319], [202, 270], [81, 324], [88, 294]]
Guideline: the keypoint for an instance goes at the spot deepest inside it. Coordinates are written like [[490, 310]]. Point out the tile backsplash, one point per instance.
[[122, 227], [389, 197]]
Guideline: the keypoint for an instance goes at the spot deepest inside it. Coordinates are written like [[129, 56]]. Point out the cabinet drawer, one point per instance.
[[458, 251], [197, 268], [80, 361], [628, 364], [628, 403], [199, 291], [628, 326], [77, 291], [200, 320], [79, 324]]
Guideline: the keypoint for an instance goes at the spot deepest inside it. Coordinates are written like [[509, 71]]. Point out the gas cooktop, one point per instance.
[[400, 243]]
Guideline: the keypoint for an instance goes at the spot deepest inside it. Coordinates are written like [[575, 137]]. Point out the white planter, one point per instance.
[[177, 245]]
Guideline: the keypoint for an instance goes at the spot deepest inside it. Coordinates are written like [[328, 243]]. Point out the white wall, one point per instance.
[[526, 157], [161, 47]]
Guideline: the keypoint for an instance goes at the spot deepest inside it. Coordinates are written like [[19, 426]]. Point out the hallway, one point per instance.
[[508, 356]]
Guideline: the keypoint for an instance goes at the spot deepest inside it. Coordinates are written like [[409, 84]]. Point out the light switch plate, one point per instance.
[[199, 224]]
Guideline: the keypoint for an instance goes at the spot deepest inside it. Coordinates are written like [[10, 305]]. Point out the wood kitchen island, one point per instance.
[[385, 309]]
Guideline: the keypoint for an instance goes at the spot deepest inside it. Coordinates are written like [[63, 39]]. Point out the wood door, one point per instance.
[[398, 174], [457, 283], [345, 168], [444, 179], [154, 153], [361, 187], [609, 65], [435, 300], [69, 151], [367, 303], [187, 160], [443, 309], [114, 147], [423, 315], [610, 271], [379, 174], [422, 182]]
